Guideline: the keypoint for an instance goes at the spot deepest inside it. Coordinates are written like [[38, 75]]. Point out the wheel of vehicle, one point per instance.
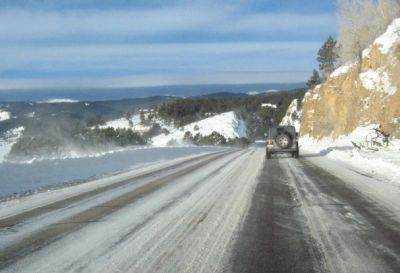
[[296, 154], [283, 141], [268, 155]]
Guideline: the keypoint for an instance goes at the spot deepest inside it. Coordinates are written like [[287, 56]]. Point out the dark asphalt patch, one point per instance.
[[275, 237]]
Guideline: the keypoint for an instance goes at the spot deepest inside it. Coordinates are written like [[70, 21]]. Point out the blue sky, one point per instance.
[[121, 43]]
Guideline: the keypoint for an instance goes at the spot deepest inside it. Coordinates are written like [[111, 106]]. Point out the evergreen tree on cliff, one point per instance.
[[328, 56], [314, 80]]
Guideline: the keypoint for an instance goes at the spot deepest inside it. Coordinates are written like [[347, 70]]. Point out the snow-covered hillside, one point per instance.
[[227, 124]]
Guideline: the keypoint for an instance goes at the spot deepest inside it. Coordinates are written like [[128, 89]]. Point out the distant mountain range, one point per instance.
[[102, 94]]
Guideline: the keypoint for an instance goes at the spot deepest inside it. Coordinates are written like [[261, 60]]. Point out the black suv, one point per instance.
[[282, 139]]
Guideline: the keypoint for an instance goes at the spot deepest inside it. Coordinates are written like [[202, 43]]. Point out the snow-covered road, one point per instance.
[[228, 211]]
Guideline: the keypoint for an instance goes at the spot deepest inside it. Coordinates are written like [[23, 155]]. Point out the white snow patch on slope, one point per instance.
[[8, 139], [254, 93], [58, 101], [136, 124], [121, 123], [293, 116], [366, 52], [227, 124], [390, 38], [377, 81], [377, 161], [270, 105], [341, 70], [4, 115], [30, 115]]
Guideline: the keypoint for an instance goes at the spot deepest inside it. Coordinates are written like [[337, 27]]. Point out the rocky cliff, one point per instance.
[[358, 94]]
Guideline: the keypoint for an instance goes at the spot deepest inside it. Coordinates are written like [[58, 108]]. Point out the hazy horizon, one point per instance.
[[100, 94]]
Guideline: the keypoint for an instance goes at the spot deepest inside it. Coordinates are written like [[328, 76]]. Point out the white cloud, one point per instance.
[[23, 25], [142, 56], [69, 42], [278, 22]]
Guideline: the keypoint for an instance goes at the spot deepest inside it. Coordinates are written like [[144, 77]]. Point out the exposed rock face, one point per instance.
[[358, 94]]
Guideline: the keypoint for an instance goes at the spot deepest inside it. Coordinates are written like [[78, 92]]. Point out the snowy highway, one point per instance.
[[226, 211]]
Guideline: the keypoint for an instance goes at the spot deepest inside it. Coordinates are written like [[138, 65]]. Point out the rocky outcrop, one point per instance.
[[358, 94]]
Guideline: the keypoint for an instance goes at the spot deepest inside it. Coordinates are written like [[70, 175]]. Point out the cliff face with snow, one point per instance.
[[358, 94]]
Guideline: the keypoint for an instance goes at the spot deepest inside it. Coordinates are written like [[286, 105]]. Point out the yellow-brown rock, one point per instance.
[[360, 94]]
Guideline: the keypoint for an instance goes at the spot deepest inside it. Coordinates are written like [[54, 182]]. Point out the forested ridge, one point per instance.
[[250, 108]]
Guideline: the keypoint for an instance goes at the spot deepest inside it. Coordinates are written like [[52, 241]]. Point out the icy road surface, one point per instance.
[[229, 211]]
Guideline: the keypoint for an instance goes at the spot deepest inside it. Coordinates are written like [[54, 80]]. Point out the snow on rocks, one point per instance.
[[372, 157], [388, 40], [341, 70], [226, 124], [377, 81], [4, 115]]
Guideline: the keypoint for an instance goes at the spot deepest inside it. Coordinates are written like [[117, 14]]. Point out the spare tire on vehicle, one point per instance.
[[283, 141]]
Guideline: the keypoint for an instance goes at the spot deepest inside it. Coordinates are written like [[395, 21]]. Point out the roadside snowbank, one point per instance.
[[226, 124], [369, 158]]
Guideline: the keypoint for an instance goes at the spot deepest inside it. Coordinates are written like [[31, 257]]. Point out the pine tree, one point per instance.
[[328, 56], [314, 80]]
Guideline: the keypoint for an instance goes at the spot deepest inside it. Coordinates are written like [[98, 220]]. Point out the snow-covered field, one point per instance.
[[42, 174], [375, 160]]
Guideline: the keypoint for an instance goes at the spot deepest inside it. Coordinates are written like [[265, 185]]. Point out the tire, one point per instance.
[[296, 154], [268, 155], [283, 141]]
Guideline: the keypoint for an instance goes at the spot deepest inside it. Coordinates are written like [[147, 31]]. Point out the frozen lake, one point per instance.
[[38, 175]]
